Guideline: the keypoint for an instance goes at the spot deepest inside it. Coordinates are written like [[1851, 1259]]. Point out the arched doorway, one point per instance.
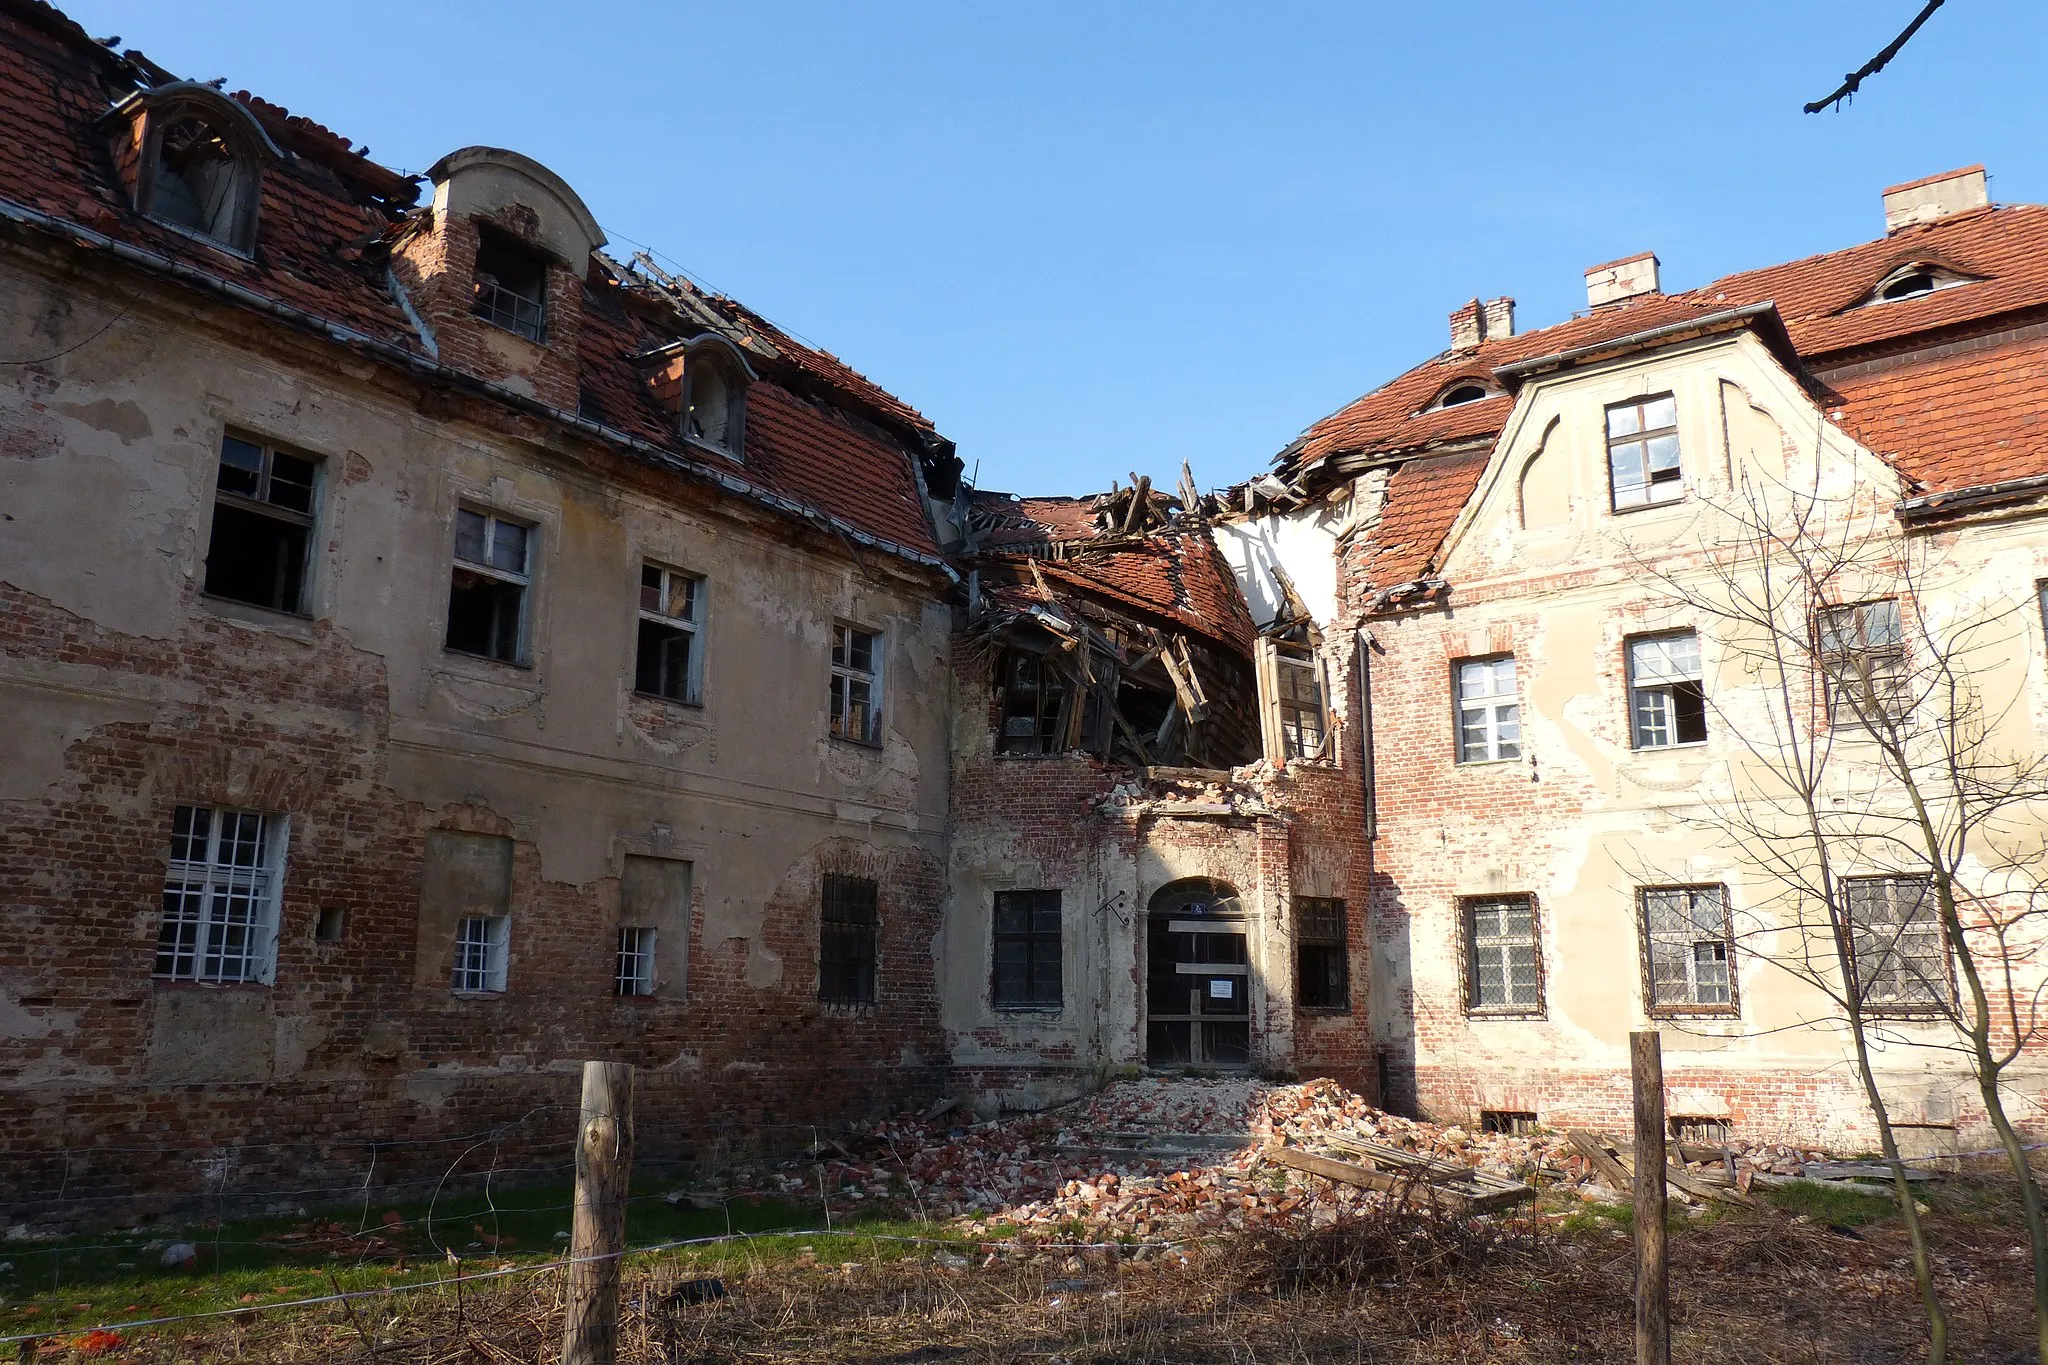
[[1198, 976]]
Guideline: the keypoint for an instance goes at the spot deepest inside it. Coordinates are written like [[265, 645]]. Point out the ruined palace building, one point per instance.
[[437, 647]]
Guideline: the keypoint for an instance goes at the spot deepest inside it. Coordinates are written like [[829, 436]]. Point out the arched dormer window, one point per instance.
[[1461, 392], [1913, 280], [715, 379], [198, 160]]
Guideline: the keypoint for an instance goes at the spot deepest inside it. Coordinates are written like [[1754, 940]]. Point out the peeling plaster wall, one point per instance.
[[1541, 568], [133, 693]]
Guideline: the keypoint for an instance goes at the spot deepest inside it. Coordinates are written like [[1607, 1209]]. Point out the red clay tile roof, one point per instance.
[[1424, 497], [1179, 576], [1005, 519], [1955, 421], [818, 433]]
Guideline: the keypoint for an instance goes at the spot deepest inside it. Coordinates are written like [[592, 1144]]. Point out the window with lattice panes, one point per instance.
[[219, 921], [1027, 951], [1897, 944], [1503, 962], [1690, 948], [668, 658], [1489, 712], [849, 922], [1863, 663], [1642, 452], [1322, 954], [1298, 689]]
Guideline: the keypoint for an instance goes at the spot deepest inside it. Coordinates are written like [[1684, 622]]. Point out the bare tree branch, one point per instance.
[[1854, 80]]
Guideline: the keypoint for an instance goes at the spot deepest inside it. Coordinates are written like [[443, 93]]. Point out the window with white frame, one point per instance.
[[1690, 948], [492, 576], [480, 942], [1298, 696], [1642, 452], [856, 684], [1667, 699], [669, 661], [1489, 714], [635, 975], [1863, 662], [1503, 966], [262, 525], [1897, 944], [220, 896]]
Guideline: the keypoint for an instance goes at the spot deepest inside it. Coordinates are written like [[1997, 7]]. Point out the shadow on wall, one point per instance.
[[1392, 1002]]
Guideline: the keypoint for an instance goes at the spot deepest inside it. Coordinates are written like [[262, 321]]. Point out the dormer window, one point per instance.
[[196, 161], [1912, 281], [197, 182], [1461, 392], [511, 288], [715, 400]]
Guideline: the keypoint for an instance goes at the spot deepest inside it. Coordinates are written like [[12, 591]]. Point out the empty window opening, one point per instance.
[[1035, 705], [1463, 393], [1489, 714], [487, 597], [1863, 662], [1908, 285], [1027, 961], [331, 926], [1667, 700], [480, 942], [1642, 452], [1322, 954], [1914, 280], [1198, 977], [199, 183], [1503, 967], [668, 660], [1700, 1129], [262, 526], [1298, 688], [635, 974], [847, 925], [856, 684], [1690, 946], [714, 404], [220, 896], [1519, 1122], [1897, 945], [511, 288]]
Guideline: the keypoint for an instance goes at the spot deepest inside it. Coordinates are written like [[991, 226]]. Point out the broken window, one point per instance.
[[480, 944], [1690, 947], [1642, 452], [1034, 705], [1863, 663], [220, 896], [1502, 962], [856, 684], [1519, 1122], [487, 598], [1897, 945], [714, 403], [847, 925], [1667, 700], [1027, 960], [1322, 954], [262, 526], [200, 183], [668, 662], [1489, 716], [511, 287], [1700, 1129], [1298, 695], [635, 974]]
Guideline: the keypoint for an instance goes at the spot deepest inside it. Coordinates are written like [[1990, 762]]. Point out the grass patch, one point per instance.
[[1831, 1204]]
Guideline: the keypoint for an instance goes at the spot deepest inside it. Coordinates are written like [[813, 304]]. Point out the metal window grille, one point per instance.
[[667, 661], [1667, 700], [1520, 1122], [856, 684], [1897, 945], [1691, 947], [847, 927], [1489, 716], [1027, 959], [511, 291], [1322, 953], [1302, 716], [1863, 661], [1642, 452], [220, 896], [635, 975], [487, 595], [1501, 965], [480, 953]]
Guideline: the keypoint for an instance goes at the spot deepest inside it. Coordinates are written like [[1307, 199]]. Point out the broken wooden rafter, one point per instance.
[[1467, 1190], [1618, 1168]]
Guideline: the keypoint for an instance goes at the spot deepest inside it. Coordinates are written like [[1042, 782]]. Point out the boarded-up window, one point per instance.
[[1027, 950], [654, 920], [847, 925]]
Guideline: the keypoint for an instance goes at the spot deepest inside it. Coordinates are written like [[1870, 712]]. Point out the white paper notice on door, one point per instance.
[[1220, 988]]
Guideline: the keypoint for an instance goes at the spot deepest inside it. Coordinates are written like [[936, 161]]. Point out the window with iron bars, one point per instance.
[[635, 975], [220, 896], [847, 926], [1690, 949], [1897, 945], [1322, 954], [1026, 972], [511, 289], [1863, 663], [480, 943], [1503, 962]]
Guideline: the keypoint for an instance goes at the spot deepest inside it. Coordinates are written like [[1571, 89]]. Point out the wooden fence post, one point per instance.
[[597, 1238], [1653, 1288]]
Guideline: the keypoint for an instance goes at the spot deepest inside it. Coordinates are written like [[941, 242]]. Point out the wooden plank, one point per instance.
[[1467, 1195], [1616, 1165], [1856, 1170], [604, 1170], [1595, 1150]]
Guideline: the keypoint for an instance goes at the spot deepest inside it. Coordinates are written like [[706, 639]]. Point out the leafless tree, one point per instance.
[[1892, 804], [1853, 82]]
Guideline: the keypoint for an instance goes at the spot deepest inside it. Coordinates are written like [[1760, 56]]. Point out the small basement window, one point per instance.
[[511, 288], [262, 526], [1701, 1130], [487, 592], [1519, 1122]]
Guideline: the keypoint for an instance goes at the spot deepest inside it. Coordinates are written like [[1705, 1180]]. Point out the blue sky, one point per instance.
[[1093, 238]]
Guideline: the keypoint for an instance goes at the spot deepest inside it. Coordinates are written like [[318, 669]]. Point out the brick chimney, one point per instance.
[[1498, 318], [1477, 323], [1937, 196], [1617, 281]]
